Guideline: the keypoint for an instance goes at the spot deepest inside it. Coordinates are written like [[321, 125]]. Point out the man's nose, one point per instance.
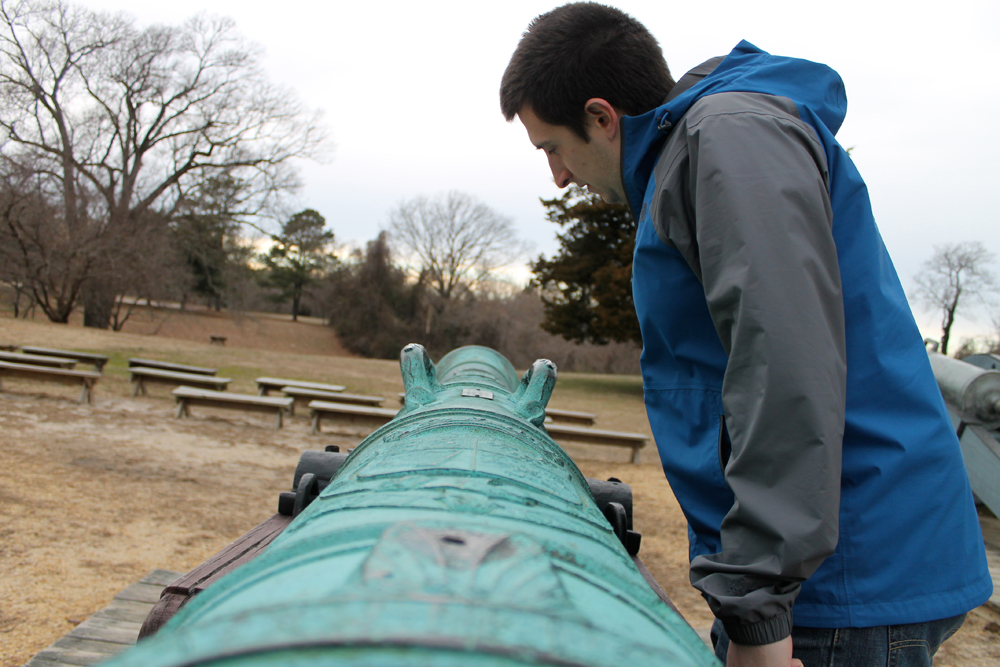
[[562, 176]]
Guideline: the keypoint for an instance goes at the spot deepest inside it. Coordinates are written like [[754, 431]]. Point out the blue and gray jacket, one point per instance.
[[793, 404]]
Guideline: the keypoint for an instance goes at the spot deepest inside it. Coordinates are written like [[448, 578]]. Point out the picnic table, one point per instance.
[[98, 360]]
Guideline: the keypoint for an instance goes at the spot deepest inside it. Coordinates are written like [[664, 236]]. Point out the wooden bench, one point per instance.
[[571, 417], [167, 366], [592, 436], [302, 396], [265, 385], [352, 414], [217, 340], [66, 376], [553, 414], [188, 396], [142, 376], [37, 360], [98, 360]]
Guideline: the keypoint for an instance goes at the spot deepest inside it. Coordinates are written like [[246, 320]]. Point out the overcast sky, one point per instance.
[[409, 91]]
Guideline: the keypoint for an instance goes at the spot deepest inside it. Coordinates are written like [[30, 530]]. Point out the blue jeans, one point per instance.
[[912, 645]]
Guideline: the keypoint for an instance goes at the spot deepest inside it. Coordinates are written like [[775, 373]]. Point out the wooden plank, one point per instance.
[[346, 409], [107, 630], [241, 551], [140, 592], [593, 436], [571, 416], [556, 414], [110, 630], [162, 612], [86, 379], [42, 662], [32, 372], [125, 610], [71, 643], [264, 385], [37, 360], [58, 656], [161, 577], [141, 376], [97, 359], [655, 585], [186, 396], [352, 414], [224, 397], [304, 395], [168, 366]]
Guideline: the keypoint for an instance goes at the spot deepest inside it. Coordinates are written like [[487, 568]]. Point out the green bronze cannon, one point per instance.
[[458, 534]]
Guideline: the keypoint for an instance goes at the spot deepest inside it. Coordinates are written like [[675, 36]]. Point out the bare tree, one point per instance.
[[956, 273], [115, 121], [37, 257], [453, 241]]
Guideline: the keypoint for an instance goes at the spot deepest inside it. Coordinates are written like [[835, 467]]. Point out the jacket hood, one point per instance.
[[816, 89]]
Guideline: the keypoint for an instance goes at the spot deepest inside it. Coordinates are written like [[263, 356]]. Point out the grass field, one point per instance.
[[94, 497]]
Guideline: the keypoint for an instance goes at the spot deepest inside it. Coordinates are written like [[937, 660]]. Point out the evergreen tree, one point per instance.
[[587, 287], [299, 255]]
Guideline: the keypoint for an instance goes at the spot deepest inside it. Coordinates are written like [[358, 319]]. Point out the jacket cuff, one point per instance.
[[763, 632]]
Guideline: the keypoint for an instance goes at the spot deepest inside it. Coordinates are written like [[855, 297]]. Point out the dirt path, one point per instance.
[[94, 497]]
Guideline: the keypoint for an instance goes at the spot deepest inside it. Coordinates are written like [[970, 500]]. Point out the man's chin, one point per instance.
[[607, 197]]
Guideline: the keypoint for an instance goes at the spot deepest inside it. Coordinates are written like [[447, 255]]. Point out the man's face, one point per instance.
[[594, 164]]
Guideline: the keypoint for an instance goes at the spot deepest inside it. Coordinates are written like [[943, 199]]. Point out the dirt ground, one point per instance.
[[94, 497]]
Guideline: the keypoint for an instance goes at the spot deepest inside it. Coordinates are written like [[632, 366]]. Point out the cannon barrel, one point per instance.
[[457, 534], [973, 391]]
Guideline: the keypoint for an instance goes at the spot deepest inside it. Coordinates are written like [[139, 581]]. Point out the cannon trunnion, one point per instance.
[[457, 534]]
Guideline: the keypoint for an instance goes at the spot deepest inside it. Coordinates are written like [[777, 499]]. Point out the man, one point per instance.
[[793, 404]]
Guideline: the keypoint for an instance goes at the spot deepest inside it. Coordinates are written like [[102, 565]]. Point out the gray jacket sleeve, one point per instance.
[[743, 196]]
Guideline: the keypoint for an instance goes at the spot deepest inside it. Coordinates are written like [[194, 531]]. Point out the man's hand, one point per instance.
[[778, 654]]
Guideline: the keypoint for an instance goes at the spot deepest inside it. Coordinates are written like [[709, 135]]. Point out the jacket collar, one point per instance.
[[642, 134], [693, 77]]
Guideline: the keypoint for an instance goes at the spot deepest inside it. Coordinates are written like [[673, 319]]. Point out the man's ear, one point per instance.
[[602, 117]]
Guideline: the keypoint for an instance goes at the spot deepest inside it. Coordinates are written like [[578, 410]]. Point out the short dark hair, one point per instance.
[[580, 51]]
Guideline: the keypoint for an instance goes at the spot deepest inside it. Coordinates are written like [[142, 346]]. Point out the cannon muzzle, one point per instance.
[[973, 391]]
